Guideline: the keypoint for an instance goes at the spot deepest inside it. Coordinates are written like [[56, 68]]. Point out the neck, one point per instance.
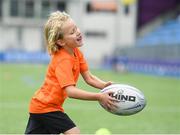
[[70, 50]]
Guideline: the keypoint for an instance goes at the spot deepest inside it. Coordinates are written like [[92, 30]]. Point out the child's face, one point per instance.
[[72, 37]]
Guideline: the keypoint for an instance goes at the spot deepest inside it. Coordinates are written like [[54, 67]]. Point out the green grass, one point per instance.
[[162, 114]]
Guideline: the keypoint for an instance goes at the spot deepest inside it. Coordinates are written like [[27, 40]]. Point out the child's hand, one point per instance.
[[107, 101], [108, 83]]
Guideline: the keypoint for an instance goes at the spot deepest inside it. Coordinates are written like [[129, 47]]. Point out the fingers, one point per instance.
[[112, 107], [109, 102], [114, 100], [113, 104], [110, 93], [108, 83]]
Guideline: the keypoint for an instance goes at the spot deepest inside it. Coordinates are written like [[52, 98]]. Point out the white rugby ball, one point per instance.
[[130, 99]]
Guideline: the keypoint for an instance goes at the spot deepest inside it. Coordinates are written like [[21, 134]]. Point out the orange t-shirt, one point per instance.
[[63, 70]]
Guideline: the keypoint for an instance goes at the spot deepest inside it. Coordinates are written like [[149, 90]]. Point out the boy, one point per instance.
[[47, 115]]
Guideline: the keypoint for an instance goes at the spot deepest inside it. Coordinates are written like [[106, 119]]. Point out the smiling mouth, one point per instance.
[[79, 38]]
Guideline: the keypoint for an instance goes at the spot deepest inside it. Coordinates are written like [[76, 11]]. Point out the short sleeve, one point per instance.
[[83, 63], [64, 73]]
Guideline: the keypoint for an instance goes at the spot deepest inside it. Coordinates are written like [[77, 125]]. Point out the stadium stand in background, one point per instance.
[[166, 34], [157, 49], [140, 36]]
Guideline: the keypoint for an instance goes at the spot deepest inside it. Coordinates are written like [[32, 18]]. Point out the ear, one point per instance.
[[60, 42]]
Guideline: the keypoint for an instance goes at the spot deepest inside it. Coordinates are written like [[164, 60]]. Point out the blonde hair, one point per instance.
[[53, 30]]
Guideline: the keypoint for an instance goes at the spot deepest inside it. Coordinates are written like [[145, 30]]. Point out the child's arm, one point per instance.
[[94, 81], [104, 98]]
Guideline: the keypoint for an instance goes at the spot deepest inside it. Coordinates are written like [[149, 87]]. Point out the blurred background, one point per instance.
[[128, 41], [138, 36]]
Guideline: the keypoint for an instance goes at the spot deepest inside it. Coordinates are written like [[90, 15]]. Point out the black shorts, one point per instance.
[[49, 123]]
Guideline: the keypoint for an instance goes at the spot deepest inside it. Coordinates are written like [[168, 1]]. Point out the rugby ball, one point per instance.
[[130, 99]]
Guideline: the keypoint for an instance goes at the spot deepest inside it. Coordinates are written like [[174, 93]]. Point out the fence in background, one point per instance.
[[158, 60], [24, 57]]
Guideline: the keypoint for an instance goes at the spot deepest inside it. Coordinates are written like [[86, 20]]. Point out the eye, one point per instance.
[[73, 30]]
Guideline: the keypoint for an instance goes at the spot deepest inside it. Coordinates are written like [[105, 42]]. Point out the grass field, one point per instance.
[[162, 114]]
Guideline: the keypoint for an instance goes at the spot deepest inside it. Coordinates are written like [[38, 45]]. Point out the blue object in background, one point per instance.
[[24, 57]]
